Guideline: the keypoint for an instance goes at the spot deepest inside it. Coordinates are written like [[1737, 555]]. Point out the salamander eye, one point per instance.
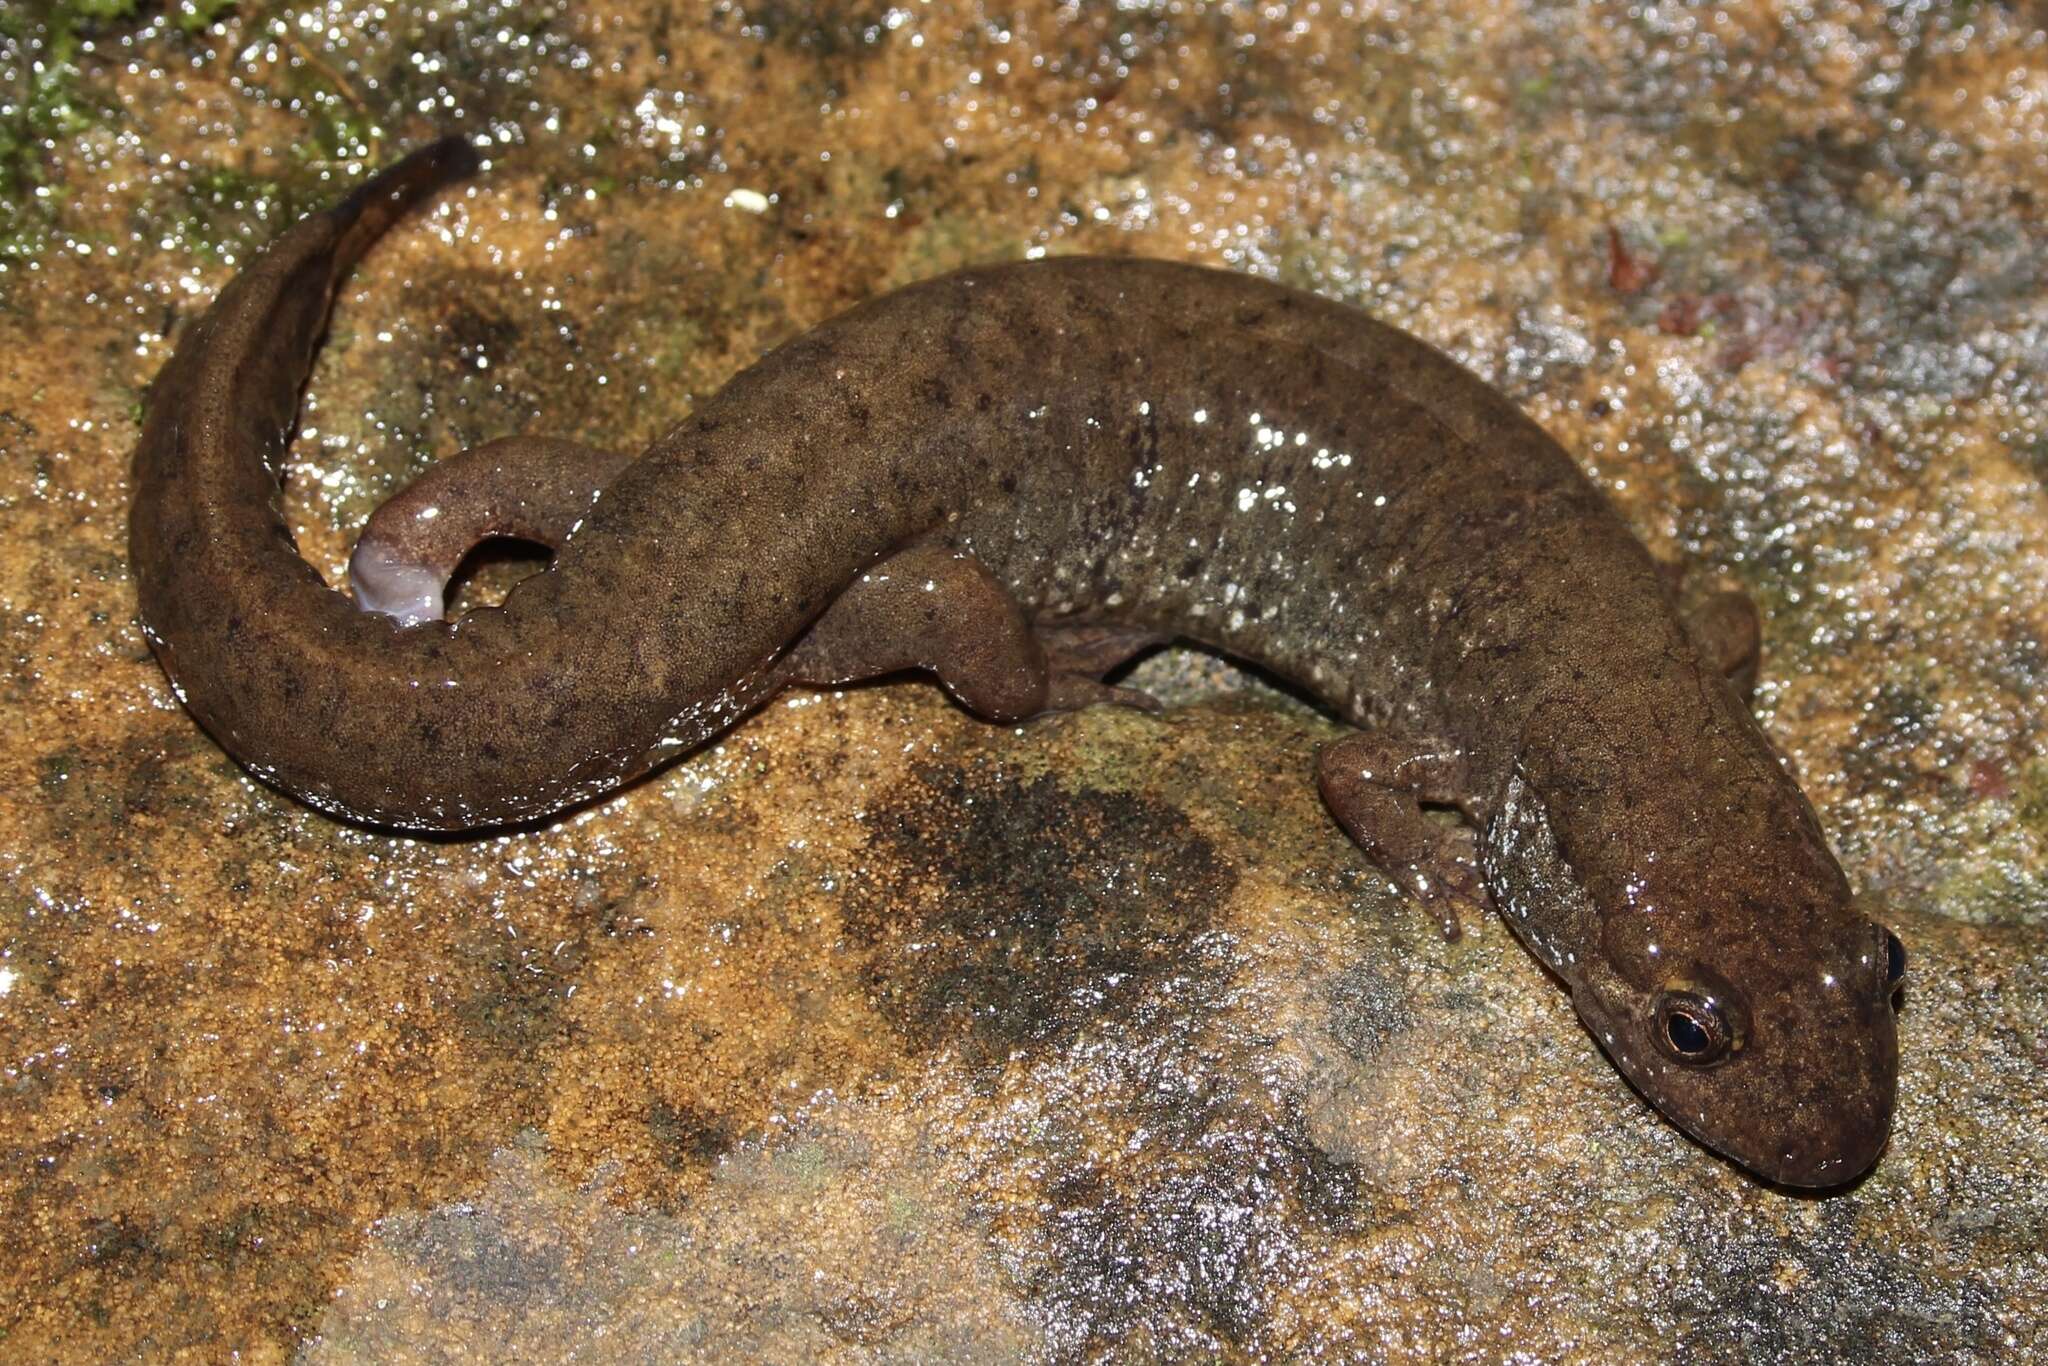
[[1894, 963], [1691, 1028]]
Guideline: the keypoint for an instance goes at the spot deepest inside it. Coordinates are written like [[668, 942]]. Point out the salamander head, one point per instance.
[[1748, 1000], [1790, 1067]]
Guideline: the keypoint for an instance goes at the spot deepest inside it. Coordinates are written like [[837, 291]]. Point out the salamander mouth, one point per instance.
[[1825, 1170]]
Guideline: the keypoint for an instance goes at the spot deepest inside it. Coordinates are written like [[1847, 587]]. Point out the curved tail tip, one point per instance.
[[387, 196], [419, 172], [450, 158], [387, 583]]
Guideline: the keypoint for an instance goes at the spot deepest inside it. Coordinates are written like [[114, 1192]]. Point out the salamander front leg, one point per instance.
[[534, 488], [1728, 631], [1375, 786]]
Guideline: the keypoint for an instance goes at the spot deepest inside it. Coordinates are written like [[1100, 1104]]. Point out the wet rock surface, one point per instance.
[[878, 1034]]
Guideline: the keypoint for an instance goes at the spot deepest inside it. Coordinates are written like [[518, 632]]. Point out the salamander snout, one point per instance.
[[1826, 1064], [1787, 1064]]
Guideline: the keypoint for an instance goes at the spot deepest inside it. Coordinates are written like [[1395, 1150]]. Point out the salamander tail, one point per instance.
[[392, 193]]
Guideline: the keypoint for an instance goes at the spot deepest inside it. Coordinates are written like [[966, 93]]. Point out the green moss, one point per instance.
[[1534, 94], [904, 1214], [222, 204], [41, 104], [193, 15], [2000, 884], [805, 1165], [44, 99], [2030, 798], [2035, 454], [947, 241], [681, 347]]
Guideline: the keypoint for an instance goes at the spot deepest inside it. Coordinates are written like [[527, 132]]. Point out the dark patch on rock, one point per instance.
[[686, 1136], [829, 31], [1000, 914], [1750, 1298], [95, 795], [484, 1255], [1898, 739], [1367, 1008], [1185, 1249], [515, 1002], [121, 1240]]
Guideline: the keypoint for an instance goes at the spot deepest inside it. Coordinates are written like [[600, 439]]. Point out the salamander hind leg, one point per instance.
[[930, 608], [933, 608], [533, 488], [1375, 786]]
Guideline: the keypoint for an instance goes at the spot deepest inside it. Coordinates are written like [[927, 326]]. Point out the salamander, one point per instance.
[[1014, 477]]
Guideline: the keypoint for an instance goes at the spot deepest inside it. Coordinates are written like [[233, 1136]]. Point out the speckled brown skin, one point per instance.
[[1155, 448]]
